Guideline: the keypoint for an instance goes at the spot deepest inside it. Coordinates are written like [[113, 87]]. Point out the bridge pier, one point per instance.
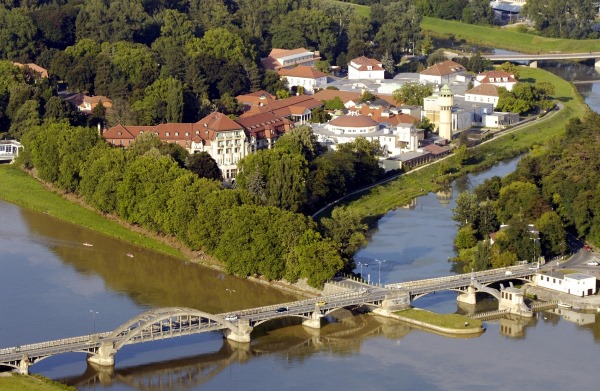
[[315, 319], [24, 365], [469, 297], [511, 299], [394, 301], [533, 64], [242, 334], [597, 62], [105, 356]]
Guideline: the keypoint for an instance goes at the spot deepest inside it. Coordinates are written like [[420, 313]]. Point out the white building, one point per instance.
[[365, 68], [577, 284], [289, 58], [347, 128], [499, 120], [304, 76], [443, 73], [497, 78], [483, 93]]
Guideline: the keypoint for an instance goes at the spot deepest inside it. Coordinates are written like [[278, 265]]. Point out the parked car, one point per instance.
[[587, 248], [592, 263], [281, 309]]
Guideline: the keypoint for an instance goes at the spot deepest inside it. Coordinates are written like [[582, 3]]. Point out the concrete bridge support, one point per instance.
[[241, 334], [511, 299], [315, 319], [468, 297], [533, 64], [24, 365], [597, 62], [394, 301], [105, 355]]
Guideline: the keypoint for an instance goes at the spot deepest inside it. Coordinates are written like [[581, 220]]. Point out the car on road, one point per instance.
[[587, 248], [282, 309], [320, 303], [231, 317], [592, 263], [508, 273]]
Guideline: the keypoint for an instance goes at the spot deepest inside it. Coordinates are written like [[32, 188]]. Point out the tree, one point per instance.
[[26, 117], [511, 69], [163, 102], [319, 116], [412, 94], [462, 154], [388, 63], [346, 228], [552, 234], [465, 238], [561, 19], [520, 199], [17, 33], [203, 165], [101, 174], [466, 210], [314, 258], [367, 96], [334, 104], [426, 45], [478, 12]]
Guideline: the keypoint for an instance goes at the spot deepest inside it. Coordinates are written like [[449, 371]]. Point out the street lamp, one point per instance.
[[94, 313], [230, 292], [380, 262], [534, 246], [361, 265]]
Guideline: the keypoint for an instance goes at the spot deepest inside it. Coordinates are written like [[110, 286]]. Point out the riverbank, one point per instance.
[[497, 37], [378, 201], [587, 303], [25, 191], [10, 381], [445, 324]]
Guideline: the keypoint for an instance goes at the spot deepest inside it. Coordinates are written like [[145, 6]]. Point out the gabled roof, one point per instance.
[[362, 63], [219, 122], [484, 89], [353, 121], [294, 105], [382, 114], [302, 71], [444, 69], [34, 67], [256, 98], [485, 77]]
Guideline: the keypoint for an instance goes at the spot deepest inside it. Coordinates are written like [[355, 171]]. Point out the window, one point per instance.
[[167, 134], [176, 133]]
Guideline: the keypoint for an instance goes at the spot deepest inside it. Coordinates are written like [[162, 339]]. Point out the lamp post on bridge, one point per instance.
[[380, 262], [230, 292], [94, 313], [534, 246], [361, 266]]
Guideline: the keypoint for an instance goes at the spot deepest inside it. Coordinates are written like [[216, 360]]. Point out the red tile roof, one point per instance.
[[444, 69], [364, 62], [484, 89], [302, 71], [353, 121], [272, 60], [219, 122], [293, 105], [485, 77]]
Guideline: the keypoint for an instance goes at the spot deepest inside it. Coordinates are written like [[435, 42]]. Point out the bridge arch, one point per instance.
[[142, 322]]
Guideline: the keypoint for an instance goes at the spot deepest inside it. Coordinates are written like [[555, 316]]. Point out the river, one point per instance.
[[54, 287]]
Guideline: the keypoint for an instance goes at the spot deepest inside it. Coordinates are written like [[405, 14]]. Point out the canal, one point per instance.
[[52, 286]]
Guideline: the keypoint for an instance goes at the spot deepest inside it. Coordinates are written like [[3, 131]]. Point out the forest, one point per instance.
[[555, 190]]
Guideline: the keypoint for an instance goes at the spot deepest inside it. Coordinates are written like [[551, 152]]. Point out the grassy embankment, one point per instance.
[[24, 190], [379, 200], [14, 382], [497, 37], [363, 10], [449, 321]]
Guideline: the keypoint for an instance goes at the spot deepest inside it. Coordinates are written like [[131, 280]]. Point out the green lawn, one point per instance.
[[363, 10], [15, 382], [23, 190], [497, 37], [450, 321], [381, 199]]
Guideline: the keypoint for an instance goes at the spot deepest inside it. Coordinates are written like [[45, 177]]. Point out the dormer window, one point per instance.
[[167, 134]]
